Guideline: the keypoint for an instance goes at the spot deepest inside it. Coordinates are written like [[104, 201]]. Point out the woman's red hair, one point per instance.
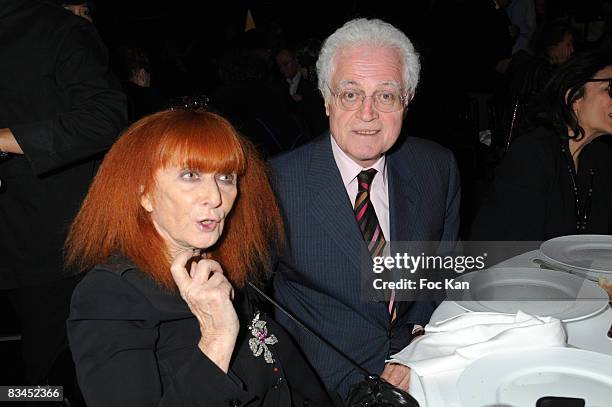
[[112, 219]]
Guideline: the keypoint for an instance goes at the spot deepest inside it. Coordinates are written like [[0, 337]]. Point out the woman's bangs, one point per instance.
[[215, 149]]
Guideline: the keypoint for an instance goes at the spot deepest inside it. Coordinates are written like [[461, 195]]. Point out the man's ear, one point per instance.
[[326, 101], [145, 200], [407, 104]]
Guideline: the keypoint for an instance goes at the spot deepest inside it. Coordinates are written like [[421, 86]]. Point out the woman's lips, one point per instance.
[[208, 225]]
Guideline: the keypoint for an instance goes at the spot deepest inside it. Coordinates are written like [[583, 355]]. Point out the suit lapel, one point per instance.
[[332, 209], [404, 207], [404, 199], [330, 204]]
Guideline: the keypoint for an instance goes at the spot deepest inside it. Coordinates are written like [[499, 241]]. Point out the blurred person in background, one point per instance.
[[61, 109], [133, 67], [78, 8], [306, 100], [555, 181], [551, 45], [522, 15]]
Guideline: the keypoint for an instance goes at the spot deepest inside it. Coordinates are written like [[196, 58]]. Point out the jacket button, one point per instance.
[[278, 383], [235, 403], [306, 403]]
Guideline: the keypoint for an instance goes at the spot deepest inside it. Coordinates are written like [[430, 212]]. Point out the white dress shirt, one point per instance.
[[379, 190]]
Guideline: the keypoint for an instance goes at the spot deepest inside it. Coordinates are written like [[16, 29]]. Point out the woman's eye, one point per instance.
[[189, 175], [227, 178]]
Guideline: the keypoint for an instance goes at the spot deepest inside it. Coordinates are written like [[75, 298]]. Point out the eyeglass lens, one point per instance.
[[382, 101]]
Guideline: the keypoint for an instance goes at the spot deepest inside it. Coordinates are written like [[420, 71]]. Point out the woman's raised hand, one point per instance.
[[209, 296]]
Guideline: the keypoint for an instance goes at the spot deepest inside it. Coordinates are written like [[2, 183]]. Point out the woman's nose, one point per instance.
[[209, 193]]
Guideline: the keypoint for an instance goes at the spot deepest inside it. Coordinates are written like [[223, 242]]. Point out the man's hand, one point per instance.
[[396, 374], [8, 144]]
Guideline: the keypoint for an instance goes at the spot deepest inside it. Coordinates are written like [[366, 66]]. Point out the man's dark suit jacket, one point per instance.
[[318, 278]]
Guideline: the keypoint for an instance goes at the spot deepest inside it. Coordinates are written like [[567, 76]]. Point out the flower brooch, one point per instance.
[[261, 339]]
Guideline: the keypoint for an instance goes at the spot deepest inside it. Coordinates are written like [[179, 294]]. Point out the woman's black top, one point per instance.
[[135, 344], [532, 196]]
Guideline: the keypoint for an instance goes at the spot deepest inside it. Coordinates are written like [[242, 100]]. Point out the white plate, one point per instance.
[[545, 293], [580, 252], [591, 275], [519, 379]]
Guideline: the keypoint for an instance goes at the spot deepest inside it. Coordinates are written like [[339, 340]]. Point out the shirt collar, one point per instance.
[[349, 169]]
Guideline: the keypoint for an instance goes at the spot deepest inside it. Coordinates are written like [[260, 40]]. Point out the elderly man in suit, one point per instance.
[[357, 187]]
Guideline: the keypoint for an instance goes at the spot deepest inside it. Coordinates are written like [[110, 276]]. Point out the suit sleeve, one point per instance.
[[96, 113], [116, 358], [453, 201]]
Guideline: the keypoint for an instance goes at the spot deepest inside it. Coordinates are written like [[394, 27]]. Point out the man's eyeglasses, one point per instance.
[[609, 80], [385, 101]]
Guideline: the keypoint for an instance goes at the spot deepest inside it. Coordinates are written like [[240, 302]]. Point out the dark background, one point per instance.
[[186, 38]]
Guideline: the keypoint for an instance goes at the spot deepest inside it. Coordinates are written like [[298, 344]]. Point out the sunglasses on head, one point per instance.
[[609, 80]]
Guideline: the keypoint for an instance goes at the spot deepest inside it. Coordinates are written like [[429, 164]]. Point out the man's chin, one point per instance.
[[366, 159]]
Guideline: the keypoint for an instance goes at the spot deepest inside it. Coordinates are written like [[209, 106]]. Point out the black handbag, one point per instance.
[[375, 392]]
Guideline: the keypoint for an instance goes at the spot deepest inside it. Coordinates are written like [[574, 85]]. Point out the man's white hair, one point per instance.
[[372, 32]]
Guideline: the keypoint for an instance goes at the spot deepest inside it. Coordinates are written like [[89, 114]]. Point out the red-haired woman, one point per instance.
[[179, 217]]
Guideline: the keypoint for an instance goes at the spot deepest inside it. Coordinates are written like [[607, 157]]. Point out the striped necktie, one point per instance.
[[366, 216], [368, 221]]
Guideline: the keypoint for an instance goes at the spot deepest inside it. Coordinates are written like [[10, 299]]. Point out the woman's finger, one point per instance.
[[219, 282], [178, 269], [204, 270]]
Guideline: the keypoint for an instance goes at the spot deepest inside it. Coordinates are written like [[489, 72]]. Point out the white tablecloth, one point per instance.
[[441, 390]]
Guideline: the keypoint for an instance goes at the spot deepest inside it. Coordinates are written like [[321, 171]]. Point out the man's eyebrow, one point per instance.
[[394, 84], [348, 82]]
